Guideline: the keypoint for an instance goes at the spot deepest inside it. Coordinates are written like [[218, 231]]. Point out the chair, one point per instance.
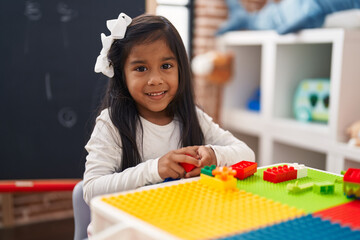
[[81, 212]]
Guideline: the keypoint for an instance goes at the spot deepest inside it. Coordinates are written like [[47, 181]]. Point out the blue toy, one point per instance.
[[311, 100], [253, 103], [169, 179], [284, 17]]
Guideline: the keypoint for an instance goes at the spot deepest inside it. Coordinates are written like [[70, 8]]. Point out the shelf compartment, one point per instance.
[[282, 152], [282, 61], [350, 152], [242, 121], [312, 136], [313, 60], [246, 76]]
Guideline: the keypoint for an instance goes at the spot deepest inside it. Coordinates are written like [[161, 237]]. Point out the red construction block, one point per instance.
[[346, 214], [244, 169], [280, 174], [352, 175], [187, 166]]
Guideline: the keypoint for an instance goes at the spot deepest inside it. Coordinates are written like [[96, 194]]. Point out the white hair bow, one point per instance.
[[117, 28]]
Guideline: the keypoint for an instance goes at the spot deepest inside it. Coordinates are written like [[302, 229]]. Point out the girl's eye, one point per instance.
[[141, 69], [166, 66]]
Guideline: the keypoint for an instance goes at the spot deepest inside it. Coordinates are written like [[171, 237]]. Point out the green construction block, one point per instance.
[[324, 188], [208, 170], [338, 180], [296, 188]]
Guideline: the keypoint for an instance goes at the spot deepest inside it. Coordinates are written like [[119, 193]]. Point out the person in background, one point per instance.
[[283, 16]]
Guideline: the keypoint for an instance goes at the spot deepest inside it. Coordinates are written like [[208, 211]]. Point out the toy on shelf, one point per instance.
[[253, 104], [280, 174], [244, 169], [217, 68], [354, 132], [351, 185], [223, 178], [311, 100]]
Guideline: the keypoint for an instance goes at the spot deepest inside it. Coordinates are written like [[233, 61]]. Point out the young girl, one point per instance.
[[149, 122]]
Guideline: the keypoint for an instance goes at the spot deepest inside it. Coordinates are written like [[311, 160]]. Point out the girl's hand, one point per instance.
[[168, 165], [207, 158]]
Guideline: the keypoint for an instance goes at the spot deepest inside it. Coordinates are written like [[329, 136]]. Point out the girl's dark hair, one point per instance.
[[122, 108]]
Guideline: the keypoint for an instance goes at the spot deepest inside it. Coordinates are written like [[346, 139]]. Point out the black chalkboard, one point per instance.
[[48, 89]]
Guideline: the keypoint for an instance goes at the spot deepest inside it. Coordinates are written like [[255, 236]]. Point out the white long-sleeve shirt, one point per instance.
[[103, 163]]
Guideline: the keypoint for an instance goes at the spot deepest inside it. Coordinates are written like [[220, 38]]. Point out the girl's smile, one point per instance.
[[151, 72], [154, 94]]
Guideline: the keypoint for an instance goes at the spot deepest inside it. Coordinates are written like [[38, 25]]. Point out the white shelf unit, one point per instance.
[[277, 64]]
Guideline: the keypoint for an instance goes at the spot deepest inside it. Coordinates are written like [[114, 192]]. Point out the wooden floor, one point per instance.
[[54, 230]]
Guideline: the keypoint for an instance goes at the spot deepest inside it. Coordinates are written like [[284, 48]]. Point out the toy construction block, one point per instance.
[[187, 166], [207, 170], [219, 184], [324, 188], [300, 168], [338, 180], [351, 190], [280, 174], [296, 188], [351, 185], [352, 175], [244, 169], [224, 173], [223, 178]]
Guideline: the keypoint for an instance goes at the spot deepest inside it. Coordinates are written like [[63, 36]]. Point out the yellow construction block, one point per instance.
[[194, 210], [217, 183]]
